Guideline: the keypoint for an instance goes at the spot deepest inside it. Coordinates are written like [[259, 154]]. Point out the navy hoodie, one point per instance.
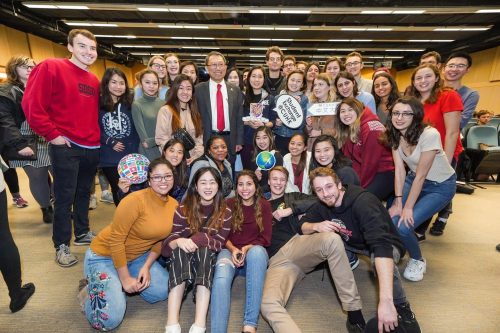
[[116, 126], [368, 223]]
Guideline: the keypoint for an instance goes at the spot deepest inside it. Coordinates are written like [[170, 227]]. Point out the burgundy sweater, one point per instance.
[[250, 233]]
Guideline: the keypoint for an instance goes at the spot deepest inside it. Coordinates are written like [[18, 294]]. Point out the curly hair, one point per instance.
[[392, 135], [238, 217], [192, 207]]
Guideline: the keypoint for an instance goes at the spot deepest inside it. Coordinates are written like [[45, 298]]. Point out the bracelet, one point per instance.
[[398, 196]]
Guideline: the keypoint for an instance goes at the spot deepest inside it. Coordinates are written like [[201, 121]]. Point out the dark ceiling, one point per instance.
[[130, 31]]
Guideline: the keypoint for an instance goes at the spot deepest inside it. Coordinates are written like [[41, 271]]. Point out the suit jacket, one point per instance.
[[235, 105]]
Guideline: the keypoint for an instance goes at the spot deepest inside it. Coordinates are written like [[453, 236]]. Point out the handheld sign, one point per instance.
[[134, 167], [265, 160], [289, 111], [323, 109]]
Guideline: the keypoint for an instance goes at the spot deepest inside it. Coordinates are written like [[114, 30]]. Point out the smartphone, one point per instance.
[[239, 256]]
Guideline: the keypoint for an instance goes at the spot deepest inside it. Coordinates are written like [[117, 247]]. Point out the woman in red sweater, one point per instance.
[[244, 254], [358, 131]]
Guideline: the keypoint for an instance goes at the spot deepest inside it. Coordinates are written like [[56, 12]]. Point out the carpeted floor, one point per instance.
[[460, 292]]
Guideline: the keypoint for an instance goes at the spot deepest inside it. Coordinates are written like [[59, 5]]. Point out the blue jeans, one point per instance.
[[433, 197], [255, 271], [105, 307], [74, 171]]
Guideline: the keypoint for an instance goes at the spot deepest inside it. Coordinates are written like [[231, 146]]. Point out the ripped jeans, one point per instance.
[[255, 272]]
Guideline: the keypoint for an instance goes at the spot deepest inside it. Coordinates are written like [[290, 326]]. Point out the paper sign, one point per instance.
[[323, 109], [289, 111]]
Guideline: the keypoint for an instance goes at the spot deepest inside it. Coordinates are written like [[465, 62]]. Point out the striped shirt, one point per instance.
[[207, 237]]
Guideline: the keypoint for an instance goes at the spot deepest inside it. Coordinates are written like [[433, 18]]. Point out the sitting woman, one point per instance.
[[326, 153], [244, 254], [201, 227], [180, 115], [297, 163], [429, 184], [358, 134], [263, 140], [216, 157], [174, 152], [121, 259]]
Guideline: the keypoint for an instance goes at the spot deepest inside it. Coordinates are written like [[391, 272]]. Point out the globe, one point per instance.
[[265, 160], [134, 167]]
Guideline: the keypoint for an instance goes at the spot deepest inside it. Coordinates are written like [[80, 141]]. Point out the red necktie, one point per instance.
[[220, 110]]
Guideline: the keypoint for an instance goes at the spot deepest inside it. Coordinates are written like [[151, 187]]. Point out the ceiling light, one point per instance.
[[134, 46], [191, 47], [408, 12], [111, 25], [287, 28], [176, 37], [184, 10], [405, 50], [475, 29], [447, 29], [257, 55], [206, 38], [152, 9], [81, 24], [326, 49], [35, 6], [196, 26], [170, 26], [72, 7], [260, 39], [488, 11], [361, 40], [261, 28], [116, 36], [339, 40], [264, 11], [353, 29], [378, 29], [376, 11], [295, 11], [282, 40], [258, 48]]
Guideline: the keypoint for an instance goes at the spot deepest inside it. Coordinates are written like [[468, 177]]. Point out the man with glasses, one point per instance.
[[61, 104], [354, 65], [274, 80], [457, 65], [220, 105], [288, 65]]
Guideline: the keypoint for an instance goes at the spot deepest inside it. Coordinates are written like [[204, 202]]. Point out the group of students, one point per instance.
[[196, 211]]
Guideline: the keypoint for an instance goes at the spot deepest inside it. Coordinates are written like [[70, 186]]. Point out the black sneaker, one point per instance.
[[406, 318], [354, 328], [17, 303], [437, 228], [420, 238], [353, 259]]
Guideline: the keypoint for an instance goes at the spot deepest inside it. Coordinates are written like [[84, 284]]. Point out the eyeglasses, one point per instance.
[[158, 66], [457, 66], [351, 64], [405, 115], [275, 59], [289, 65], [219, 65], [27, 67], [165, 178]]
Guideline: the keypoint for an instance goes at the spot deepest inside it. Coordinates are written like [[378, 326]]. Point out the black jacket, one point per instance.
[[368, 223], [288, 227], [11, 116]]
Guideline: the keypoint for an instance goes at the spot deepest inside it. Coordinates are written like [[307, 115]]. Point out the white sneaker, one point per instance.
[[107, 197], [92, 202], [415, 270], [197, 329], [175, 328], [64, 258]]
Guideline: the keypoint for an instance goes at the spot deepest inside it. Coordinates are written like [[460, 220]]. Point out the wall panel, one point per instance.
[[41, 48]]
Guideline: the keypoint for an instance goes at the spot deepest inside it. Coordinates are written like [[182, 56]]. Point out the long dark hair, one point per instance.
[[105, 98], [349, 132], [339, 160], [249, 95], [238, 217], [392, 135], [240, 76], [192, 207], [393, 94], [348, 76], [190, 63], [181, 175], [436, 89], [303, 156], [174, 104], [269, 134]]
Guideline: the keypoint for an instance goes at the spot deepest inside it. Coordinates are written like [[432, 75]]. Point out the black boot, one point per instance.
[[19, 301], [48, 214]]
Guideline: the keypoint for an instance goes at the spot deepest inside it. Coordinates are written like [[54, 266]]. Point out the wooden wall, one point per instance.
[[484, 75]]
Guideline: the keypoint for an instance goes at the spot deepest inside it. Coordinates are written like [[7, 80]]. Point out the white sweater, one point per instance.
[[290, 186]]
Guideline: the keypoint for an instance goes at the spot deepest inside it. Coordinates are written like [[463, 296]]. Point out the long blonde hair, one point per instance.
[[331, 93]]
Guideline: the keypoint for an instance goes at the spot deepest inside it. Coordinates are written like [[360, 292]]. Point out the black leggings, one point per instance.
[[11, 180], [382, 185], [10, 263], [111, 174]]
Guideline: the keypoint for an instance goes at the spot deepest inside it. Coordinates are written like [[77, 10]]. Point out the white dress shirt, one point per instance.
[[213, 104]]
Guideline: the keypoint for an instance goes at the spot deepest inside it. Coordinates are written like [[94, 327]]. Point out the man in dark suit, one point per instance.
[[220, 105]]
